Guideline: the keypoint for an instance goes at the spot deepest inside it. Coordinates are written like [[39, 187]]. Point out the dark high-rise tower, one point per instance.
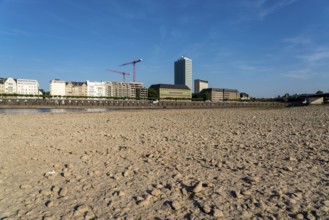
[[183, 72]]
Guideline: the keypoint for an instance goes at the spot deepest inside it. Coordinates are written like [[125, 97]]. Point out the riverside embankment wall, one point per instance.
[[73, 103]]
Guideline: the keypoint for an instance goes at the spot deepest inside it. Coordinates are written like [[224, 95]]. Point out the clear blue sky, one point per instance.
[[263, 47]]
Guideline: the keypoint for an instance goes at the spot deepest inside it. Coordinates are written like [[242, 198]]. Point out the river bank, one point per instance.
[[173, 164]]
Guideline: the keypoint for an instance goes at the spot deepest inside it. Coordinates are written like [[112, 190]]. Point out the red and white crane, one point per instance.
[[134, 67], [124, 74]]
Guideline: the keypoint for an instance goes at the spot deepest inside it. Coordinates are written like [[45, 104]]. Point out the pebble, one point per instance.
[[49, 204], [156, 192], [198, 187], [81, 209], [218, 213], [121, 193], [25, 186], [159, 186], [325, 202], [144, 202], [45, 192], [176, 205], [246, 215], [324, 209], [63, 192], [206, 209], [126, 173], [246, 193], [299, 216]]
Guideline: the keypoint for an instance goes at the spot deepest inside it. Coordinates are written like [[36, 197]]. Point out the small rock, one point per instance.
[[218, 213], [246, 193], [25, 186], [45, 192], [144, 202], [299, 216], [49, 204], [198, 187], [176, 205], [237, 194], [69, 166], [63, 192], [246, 215], [159, 186], [206, 209], [326, 203], [156, 192], [121, 193], [81, 210], [324, 209], [126, 173]]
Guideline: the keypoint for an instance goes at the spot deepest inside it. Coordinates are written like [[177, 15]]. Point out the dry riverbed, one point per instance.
[[166, 164]]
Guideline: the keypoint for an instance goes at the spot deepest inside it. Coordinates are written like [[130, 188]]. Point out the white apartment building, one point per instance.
[[27, 87], [96, 89], [10, 86], [57, 87]]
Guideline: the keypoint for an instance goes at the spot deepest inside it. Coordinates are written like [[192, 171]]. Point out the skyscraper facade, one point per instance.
[[183, 72]]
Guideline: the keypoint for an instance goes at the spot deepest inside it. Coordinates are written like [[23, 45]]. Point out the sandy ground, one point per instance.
[[166, 164]]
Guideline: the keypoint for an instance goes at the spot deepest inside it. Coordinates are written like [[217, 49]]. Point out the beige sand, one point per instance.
[[166, 164]]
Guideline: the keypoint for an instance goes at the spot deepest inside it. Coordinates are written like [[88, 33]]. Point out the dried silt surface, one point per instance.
[[166, 164]]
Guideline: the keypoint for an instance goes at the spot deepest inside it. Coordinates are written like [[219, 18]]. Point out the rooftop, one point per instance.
[[170, 86]]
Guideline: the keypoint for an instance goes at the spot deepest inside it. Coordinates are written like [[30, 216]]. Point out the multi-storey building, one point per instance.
[[172, 91], [57, 87], [2, 85], [10, 86], [27, 87], [183, 72], [96, 89], [221, 94], [126, 89], [76, 89], [199, 85]]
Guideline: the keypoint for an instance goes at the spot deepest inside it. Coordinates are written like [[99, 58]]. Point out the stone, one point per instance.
[[81, 210], [63, 192], [299, 216], [156, 192], [324, 209], [159, 186], [198, 187], [176, 205], [326, 203], [206, 209], [24, 186], [218, 213], [246, 193], [45, 192], [121, 193], [144, 203], [49, 204], [126, 173]]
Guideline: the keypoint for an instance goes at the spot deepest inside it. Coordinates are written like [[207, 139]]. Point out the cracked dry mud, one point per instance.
[[166, 164]]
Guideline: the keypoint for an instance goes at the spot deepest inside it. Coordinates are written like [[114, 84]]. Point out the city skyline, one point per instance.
[[260, 47]]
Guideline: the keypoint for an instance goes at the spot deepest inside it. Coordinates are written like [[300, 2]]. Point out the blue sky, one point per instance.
[[263, 47]]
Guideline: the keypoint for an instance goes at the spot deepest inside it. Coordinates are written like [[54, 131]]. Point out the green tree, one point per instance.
[[319, 92], [153, 94], [207, 96]]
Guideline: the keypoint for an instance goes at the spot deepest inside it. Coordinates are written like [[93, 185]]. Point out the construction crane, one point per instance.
[[124, 74], [134, 67]]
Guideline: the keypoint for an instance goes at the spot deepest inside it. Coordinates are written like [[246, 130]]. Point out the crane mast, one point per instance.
[[124, 74], [134, 67]]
